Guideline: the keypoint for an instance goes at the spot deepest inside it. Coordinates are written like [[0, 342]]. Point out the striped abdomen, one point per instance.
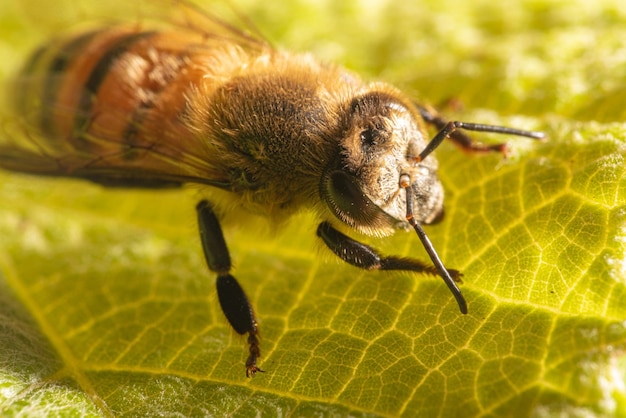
[[109, 105]]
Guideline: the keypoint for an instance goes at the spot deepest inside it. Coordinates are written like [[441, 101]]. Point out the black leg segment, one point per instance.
[[235, 304], [233, 299], [365, 257]]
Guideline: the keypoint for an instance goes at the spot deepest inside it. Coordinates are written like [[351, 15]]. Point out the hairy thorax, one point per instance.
[[275, 126]]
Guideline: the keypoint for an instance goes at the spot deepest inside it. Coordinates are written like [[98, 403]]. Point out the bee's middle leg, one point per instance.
[[233, 300]]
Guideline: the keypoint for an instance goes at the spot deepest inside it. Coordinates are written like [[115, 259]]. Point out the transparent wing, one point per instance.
[[140, 144], [142, 155]]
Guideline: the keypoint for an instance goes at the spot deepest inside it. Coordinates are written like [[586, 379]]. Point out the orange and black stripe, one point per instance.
[[53, 78], [101, 69], [112, 102], [65, 80]]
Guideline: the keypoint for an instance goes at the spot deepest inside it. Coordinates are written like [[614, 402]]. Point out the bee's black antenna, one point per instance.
[[452, 126], [450, 281]]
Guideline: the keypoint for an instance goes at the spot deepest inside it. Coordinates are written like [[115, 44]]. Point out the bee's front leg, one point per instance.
[[233, 300], [365, 257]]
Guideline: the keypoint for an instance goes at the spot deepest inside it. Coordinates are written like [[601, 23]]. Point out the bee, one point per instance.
[[266, 130]]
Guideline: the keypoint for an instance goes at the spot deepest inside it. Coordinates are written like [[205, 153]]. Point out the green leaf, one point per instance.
[[107, 307]]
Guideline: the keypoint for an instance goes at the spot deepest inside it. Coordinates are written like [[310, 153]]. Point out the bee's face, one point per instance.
[[382, 139]]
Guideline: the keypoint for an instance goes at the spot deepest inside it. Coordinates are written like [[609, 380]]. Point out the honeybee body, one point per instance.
[[127, 107], [268, 131]]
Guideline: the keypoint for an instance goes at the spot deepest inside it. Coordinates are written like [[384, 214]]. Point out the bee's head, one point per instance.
[[383, 136]]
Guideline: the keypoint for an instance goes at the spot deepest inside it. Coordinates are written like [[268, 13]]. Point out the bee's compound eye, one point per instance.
[[341, 192]]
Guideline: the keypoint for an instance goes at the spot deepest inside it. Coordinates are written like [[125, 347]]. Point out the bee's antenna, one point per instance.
[[452, 126], [405, 182]]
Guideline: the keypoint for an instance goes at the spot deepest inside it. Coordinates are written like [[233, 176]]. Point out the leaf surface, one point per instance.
[[107, 307]]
